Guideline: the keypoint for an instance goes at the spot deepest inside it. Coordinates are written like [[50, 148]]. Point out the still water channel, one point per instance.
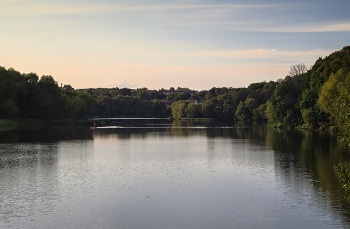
[[161, 174]]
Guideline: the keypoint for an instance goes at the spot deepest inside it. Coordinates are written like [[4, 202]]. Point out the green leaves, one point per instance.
[[179, 109], [342, 172], [335, 100]]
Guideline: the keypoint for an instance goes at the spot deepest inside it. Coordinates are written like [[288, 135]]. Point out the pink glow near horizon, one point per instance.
[[157, 77]]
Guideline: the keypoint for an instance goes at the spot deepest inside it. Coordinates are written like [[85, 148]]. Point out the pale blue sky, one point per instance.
[[155, 44]]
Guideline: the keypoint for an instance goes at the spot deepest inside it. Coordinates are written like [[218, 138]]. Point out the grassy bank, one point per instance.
[[35, 123], [7, 124], [73, 122], [196, 119]]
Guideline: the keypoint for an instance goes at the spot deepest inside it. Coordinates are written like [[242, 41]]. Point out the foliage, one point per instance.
[[260, 113], [7, 124], [283, 104], [158, 108], [179, 109], [9, 109], [241, 112], [211, 93], [316, 78], [194, 110], [316, 98], [178, 96], [74, 107], [87, 97], [309, 117], [335, 100], [250, 104], [200, 96], [342, 172], [210, 108]]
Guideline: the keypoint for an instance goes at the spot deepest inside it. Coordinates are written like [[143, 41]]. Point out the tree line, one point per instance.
[[29, 97], [228, 103], [315, 98]]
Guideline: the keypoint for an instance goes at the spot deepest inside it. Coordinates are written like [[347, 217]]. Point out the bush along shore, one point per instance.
[[34, 123], [21, 123]]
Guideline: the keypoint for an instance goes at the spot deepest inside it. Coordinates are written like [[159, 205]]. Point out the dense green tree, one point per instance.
[[144, 109], [242, 94], [210, 108], [179, 109], [266, 92], [335, 100], [250, 104], [316, 78], [229, 111], [68, 87], [284, 103], [200, 96], [87, 97], [254, 90], [172, 96], [211, 93], [9, 109], [194, 110], [182, 96], [242, 112], [309, 117], [125, 92], [143, 95], [158, 109], [49, 85], [104, 107], [74, 107], [260, 113], [45, 107]]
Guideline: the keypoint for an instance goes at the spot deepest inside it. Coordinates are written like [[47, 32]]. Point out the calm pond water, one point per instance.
[[161, 174]]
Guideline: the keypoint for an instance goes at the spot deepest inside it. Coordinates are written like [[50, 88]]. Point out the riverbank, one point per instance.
[[197, 119], [6, 124], [37, 123], [304, 127]]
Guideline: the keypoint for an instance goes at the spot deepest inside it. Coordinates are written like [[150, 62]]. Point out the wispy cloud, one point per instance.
[[121, 84], [184, 7], [10, 1], [232, 17], [272, 54], [65, 8], [316, 27]]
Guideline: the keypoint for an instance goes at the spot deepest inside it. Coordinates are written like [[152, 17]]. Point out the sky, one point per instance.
[[156, 44]]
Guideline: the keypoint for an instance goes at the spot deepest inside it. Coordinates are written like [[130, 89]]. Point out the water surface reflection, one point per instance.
[[161, 174]]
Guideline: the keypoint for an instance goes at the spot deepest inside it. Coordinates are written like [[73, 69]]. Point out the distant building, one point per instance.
[[193, 101], [181, 91], [167, 102]]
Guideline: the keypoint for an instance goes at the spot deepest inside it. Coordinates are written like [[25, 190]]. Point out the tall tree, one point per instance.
[[298, 69]]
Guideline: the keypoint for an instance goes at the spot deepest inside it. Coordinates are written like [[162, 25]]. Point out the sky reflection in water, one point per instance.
[[169, 175]]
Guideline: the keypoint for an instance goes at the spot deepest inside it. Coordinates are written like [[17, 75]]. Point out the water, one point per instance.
[[161, 174]]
